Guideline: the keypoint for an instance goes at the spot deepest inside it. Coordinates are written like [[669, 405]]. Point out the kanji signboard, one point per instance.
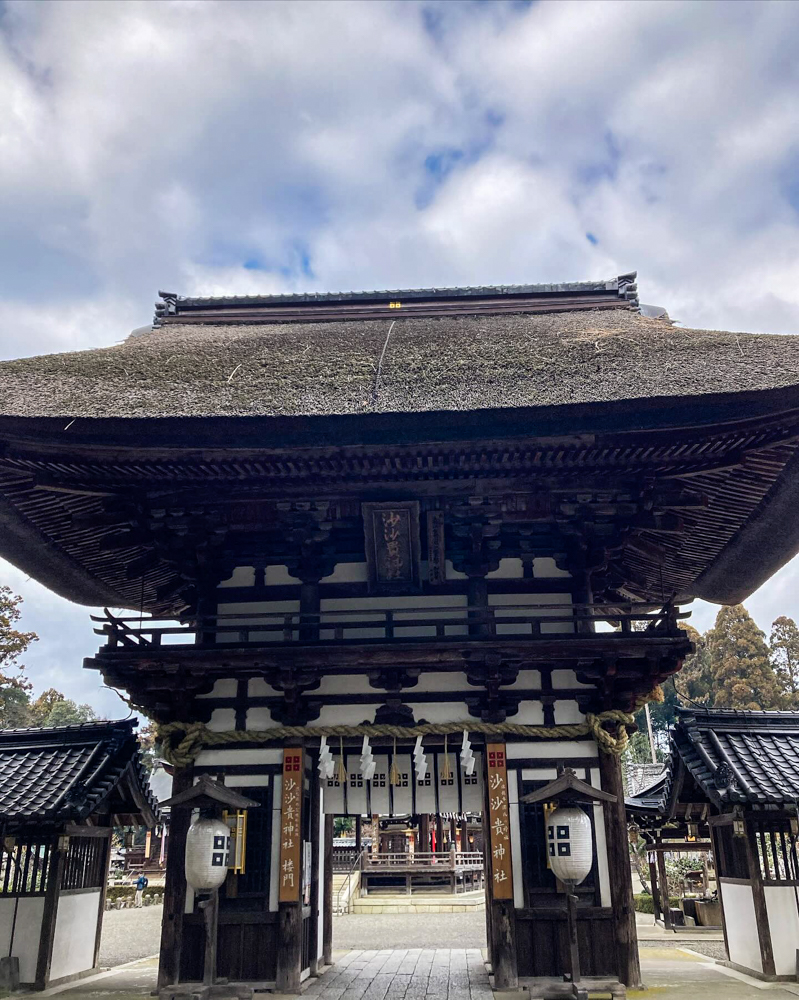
[[291, 827], [499, 821]]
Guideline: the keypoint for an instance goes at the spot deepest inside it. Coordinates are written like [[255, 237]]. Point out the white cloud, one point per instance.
[[343, 145]]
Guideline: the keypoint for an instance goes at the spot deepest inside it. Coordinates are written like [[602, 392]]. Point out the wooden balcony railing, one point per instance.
[[445, 624], [441, 861]]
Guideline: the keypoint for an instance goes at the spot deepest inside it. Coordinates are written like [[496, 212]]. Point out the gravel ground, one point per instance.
[[130, 934]]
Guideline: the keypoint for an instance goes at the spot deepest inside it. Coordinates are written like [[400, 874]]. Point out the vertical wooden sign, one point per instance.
[[291, 827], [499, 821]]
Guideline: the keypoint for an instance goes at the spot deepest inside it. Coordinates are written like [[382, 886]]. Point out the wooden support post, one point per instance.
[[439, 834], [499, 886], [464, 835], [289, 941], [759, 900], [665, 895], [174, 886], [717, 863], [621, 881], [358, 834], [316, 819], [327, 928], [106, 864], [424, 833], [653, 878], [574, 947], [55, 873], [210, 908]]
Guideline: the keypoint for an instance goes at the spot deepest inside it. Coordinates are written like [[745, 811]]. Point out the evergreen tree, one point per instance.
[[784, 644], [740, 669], [51, 708], [14, 686], [693, 685]]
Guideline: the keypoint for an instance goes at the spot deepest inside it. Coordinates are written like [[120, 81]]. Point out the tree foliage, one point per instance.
[[739, 663], [14, 686], [52, 709], [784, 642]]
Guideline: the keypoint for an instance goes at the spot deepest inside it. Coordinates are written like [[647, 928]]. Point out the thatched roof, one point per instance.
[[452, 363]]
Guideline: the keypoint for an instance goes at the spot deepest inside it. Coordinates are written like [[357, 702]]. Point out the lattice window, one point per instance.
[[24, 867]]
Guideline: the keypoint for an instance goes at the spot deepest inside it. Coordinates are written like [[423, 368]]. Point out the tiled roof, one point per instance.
[[65, 773]]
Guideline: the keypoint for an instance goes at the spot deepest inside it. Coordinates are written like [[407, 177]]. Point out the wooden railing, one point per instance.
[[397, 625], [441, 860]]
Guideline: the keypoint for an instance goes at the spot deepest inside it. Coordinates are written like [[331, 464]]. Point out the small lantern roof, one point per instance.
[[568, 787], [209, 794]]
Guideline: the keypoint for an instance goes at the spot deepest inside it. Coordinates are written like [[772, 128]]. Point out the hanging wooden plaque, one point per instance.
[[291, 827], [499, 821], [436, 555], [391, 534]]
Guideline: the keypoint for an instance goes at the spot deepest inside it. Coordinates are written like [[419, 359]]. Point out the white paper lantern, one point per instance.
[[207, 854], [570, 843]]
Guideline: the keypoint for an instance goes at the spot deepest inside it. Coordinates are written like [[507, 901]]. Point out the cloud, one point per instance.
[[230, 146]]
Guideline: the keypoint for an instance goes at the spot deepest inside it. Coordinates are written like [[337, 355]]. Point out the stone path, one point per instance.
[[405, 974]]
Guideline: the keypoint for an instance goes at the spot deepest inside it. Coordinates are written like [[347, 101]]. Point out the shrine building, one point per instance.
[[408, 552]]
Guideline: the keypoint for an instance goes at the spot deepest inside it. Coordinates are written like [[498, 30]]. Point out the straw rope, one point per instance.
[[181, 742]]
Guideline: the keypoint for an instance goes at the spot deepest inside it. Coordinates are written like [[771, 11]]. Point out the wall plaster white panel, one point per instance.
[[347, 573], [556, 749], [450, 573], [242, 576], [279, 576], [225, 688], [446, 711], [739, 917], [545, 568], [27, 932], [222, 720], [402, 795], [274, 866], [531, 713], [260, 718], [345, 715], [515, 840], [258, 688], [567, 679], [443, 681], [601, 848], [783, 922], [341, 683], [247, 780], [75, 930], [567, 712], [251, 756], [508, 569], [409, 607], [333, 795], [526, 679], [539, 773]]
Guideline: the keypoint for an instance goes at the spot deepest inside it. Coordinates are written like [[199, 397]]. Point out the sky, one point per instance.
[[206, 147]]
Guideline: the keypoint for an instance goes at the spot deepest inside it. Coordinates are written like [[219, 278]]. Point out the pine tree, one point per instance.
[[740, 669], [784, 644]]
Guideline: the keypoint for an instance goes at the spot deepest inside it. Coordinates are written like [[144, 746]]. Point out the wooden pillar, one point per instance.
[[759, 900], [174, 885], [358, 834], [316, 819], [289, 941], [424, 833], [327, 929], [105, 822], [452, 834], [499, 884], [653, 878], [464, 835], [439, 834], [665, 895], [621, 880], [55, 873]]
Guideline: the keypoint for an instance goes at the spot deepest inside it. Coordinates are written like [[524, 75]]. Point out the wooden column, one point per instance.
[[289, 940], [759, 900], [175, 885], [439, 834], [316, 818], [653, 878], [327, 929], [717, 866], [665, 895], [358, 834], [105, 822], [499, 883], [424, 833], [621, 881], [464, 835], [55, 873]]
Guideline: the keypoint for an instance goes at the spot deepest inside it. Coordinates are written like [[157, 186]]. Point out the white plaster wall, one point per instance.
[[222, 720], [739, 918], [558, 749], [242, 576], [545, 568], [531, 713], [783, 921], [515, 839], [347, 573], [567, 712], [567, 679], [225, 688], [27, 933], [408, 607], [251, 756], [526, 679], [75, 930], [508, 569]]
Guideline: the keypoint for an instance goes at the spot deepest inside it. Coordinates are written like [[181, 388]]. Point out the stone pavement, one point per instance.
[[405, 974]]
